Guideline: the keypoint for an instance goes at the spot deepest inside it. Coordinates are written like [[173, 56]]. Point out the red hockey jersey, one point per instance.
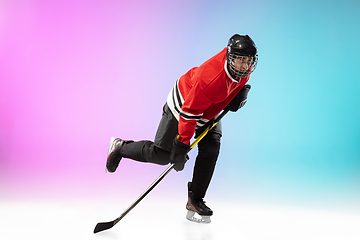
[[202, 93]]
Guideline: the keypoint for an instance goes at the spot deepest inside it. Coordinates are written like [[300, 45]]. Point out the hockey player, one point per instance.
[[197, 97]]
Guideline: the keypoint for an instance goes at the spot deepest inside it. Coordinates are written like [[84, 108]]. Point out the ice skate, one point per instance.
[[197, 210], [114, 157]]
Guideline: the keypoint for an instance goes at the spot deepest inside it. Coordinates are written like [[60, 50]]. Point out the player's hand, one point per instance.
[[178, 154], [240, 99]]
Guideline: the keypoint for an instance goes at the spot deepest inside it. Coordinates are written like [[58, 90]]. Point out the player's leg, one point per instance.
[[204, 167], [157, 152]]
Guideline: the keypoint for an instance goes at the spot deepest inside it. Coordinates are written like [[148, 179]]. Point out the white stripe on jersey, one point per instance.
[[201, 122], [175, 101]]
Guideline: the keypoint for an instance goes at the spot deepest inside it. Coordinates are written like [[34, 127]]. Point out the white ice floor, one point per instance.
[[160, 220]]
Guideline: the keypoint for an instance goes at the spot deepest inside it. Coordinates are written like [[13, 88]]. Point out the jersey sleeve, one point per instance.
[[192, 110]]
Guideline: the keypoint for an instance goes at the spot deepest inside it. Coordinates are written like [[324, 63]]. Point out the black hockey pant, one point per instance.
[[158, 152]]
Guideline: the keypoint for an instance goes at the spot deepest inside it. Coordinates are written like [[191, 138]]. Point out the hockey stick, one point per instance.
[[107, 225]]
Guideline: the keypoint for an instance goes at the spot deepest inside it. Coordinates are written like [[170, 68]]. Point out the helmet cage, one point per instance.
[[241, 66]]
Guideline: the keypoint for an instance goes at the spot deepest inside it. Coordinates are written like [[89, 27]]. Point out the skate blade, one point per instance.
[[191, 217]]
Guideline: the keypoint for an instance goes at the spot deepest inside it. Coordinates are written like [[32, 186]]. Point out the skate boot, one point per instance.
[[197, 205], [114, 156]]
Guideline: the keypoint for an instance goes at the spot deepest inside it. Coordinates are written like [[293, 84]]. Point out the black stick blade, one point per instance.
[[104, 226]]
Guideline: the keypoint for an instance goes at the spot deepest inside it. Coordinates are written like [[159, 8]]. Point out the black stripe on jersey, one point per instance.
[[177, 103], [201, 122], [174, 102], [187, 117], [178, 95]]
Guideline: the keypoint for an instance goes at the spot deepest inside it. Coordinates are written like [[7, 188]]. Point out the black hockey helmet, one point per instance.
[[241, 52]]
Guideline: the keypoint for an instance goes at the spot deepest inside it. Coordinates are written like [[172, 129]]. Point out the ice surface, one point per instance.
[[152, 220]]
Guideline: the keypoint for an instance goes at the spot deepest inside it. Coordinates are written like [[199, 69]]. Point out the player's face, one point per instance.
[[242, 63]]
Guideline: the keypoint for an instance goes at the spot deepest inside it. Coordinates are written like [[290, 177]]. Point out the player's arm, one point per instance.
[[240, 99]]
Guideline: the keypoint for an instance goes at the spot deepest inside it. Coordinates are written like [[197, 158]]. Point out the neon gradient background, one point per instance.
[[75, 73]]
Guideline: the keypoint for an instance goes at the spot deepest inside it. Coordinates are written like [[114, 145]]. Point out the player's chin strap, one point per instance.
[[107, 225]]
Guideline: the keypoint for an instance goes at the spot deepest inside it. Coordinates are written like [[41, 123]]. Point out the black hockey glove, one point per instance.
[[240, 99], [179, 154]]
